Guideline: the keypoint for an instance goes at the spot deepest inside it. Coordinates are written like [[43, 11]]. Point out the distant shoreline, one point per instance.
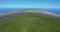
[[28, 11], [6, 10]]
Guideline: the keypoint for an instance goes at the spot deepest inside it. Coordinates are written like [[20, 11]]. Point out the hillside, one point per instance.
[[30, 22]]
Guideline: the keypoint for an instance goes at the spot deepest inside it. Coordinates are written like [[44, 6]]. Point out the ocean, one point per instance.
[[5, 10]]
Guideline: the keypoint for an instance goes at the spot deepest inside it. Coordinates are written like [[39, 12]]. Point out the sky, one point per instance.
[[30, 4]]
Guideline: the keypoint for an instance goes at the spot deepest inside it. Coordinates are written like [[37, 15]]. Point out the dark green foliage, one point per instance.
[[30, 23]]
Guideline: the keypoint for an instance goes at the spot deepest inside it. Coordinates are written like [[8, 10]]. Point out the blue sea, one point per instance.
[[5, 10]]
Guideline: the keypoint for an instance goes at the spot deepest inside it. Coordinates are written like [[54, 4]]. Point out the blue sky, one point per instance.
[[30, 4]]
